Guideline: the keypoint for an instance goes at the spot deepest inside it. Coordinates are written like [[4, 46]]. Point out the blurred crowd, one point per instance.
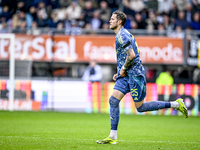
[[174, 15]]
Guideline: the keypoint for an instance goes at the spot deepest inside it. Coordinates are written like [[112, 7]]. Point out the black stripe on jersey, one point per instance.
[[126, 45]]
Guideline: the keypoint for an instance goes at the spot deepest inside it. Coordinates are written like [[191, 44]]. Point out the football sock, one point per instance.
[[174, 104], [114, 112], [113, 134], [153, 105]]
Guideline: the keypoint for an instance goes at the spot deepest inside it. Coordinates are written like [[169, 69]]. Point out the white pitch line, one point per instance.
[[78, 139]]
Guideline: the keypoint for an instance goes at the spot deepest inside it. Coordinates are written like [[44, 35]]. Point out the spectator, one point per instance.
[[181, 21], [195, 5], [60, 28], [29, 20], [134, 5], [126, 8], [181, 4], [33, 12], [20, 6], [173, 13], [161, 29], [42, 10], [140, 22], [93, 72], [152, 20], [22, 28], [195, 23], [165, 78], [105, 25], [96, 22], [144, 14], [167, 23], [189, 12], [177, 33], [5, 14], [88, 11], [3, 27], [61, 13], [34, 28], [73, 29], [88, 26], [133, 24], [18, 18], [64, 3], [105, 11], [81, 20], [23, 16], [74, 10], [67, 22], [53, 22], [149, 74], [196, 75], [40, 20], [164, 6], [34, 25], [11, 5], [81, 3]]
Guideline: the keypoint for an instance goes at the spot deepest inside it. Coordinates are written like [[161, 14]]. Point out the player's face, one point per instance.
[[113, 22]]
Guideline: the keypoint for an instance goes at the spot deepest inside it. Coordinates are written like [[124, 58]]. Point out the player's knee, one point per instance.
[[140, 109], [114, 102], [139, 105]]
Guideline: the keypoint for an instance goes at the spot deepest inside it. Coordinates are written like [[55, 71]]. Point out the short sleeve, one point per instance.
[[126, 43]]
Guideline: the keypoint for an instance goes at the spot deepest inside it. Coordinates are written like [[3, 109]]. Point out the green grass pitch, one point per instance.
[[66, 131]]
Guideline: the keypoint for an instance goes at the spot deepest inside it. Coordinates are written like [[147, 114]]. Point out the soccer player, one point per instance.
[[130, 77]]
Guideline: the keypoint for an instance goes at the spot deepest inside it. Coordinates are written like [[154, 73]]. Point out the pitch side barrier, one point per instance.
[[37, 95]]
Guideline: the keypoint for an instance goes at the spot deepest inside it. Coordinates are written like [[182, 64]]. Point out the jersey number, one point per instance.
[[134, 92]]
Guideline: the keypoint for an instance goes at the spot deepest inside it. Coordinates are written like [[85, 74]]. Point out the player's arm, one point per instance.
[[129, 60]]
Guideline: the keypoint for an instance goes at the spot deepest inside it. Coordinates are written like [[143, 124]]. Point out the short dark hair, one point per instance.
[[121, 16]]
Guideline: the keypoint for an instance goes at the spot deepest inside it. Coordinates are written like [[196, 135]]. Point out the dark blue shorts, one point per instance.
[[136, 85]]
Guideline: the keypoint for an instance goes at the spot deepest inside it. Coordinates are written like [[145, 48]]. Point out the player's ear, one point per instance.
[[120, 22]]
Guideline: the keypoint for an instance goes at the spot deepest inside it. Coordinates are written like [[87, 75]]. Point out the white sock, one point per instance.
[[113, 134], [174, 104]]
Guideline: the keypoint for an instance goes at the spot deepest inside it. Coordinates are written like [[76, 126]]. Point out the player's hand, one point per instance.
[[122, 72], [114, 77]]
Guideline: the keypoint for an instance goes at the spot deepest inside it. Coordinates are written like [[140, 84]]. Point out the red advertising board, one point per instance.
[[154, 50]]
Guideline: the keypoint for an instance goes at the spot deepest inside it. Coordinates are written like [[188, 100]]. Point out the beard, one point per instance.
[[113, 27]]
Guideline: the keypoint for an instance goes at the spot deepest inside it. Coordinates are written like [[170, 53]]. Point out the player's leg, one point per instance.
[[120, 89], [114, 112], [114, 101], [138, 92], [156, 105]]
